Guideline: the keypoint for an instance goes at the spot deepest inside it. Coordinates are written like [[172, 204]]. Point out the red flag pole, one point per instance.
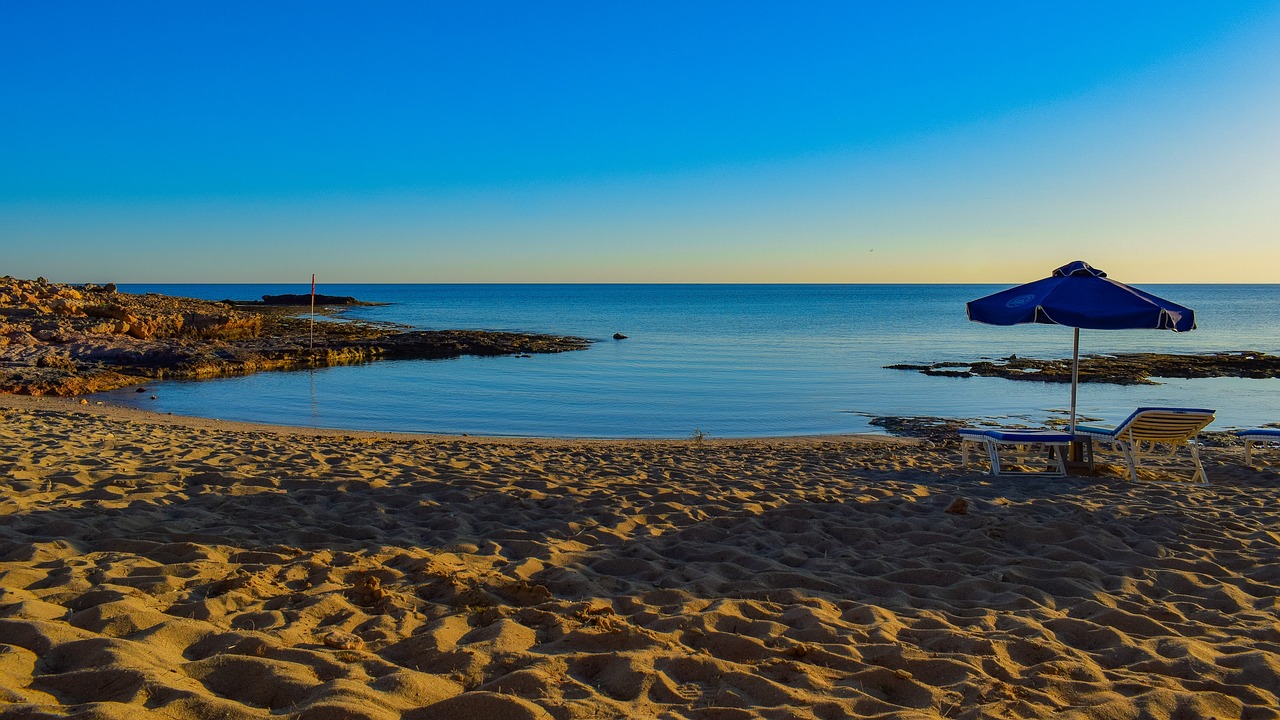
[[311, 327]]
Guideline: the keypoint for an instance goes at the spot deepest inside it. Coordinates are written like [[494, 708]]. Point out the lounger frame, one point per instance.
[[1048, 454], [1261, 439], [1152, 438]]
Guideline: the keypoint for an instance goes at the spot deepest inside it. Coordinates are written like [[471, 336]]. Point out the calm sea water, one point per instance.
[[729, 360]]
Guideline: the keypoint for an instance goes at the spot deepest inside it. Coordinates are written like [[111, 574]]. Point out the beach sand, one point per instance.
[[158, 567]]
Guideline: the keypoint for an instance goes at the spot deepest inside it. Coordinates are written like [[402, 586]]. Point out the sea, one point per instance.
[[722, 361]]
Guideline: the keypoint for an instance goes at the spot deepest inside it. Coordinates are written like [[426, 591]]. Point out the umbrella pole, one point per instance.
[[1075, 376]]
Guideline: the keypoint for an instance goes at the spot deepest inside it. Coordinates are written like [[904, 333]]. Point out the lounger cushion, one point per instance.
[[1141, 410], [1014, 435], [1096, 429], [1110, 430], [1260, 432]]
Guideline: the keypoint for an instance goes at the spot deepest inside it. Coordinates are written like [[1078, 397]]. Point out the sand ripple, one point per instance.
[[153, 569]]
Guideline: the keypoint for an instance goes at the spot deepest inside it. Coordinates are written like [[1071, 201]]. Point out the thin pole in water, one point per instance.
[[311, 327]]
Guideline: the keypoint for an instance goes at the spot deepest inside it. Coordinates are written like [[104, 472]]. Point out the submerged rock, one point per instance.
[[1122, 369], [924, 427]]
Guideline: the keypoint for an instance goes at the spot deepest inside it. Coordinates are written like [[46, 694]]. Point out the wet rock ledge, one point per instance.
[[1121, 369], [71, 340]]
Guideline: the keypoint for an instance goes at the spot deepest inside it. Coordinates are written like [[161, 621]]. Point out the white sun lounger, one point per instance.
[[1046, 449], [1262, 438], [1152, 437]]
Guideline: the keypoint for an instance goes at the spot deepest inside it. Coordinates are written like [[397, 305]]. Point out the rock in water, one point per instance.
[[306, 300], [619, 336]]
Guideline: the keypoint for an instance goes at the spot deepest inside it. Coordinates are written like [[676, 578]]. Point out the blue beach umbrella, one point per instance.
[[1080, 296]]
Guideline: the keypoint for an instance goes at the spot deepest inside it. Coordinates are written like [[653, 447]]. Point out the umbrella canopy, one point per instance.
[[1080, 296]]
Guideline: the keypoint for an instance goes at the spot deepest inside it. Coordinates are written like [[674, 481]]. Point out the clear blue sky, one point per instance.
[[606, 142]]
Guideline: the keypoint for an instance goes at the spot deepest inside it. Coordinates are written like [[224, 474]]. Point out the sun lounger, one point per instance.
[[1152, 437], [1262, 438], [1046, 449]]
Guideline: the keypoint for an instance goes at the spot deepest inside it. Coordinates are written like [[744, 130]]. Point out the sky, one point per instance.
[[832, 142]]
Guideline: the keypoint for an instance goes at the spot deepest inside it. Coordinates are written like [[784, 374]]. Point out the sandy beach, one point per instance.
[[166, 567]]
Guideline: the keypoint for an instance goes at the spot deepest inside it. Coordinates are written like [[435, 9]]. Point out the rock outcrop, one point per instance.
[[1122, 369], [300, 300], [63, 340]]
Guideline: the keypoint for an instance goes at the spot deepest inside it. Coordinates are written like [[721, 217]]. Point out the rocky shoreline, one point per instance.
[[60, 339], [1121, 369]]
